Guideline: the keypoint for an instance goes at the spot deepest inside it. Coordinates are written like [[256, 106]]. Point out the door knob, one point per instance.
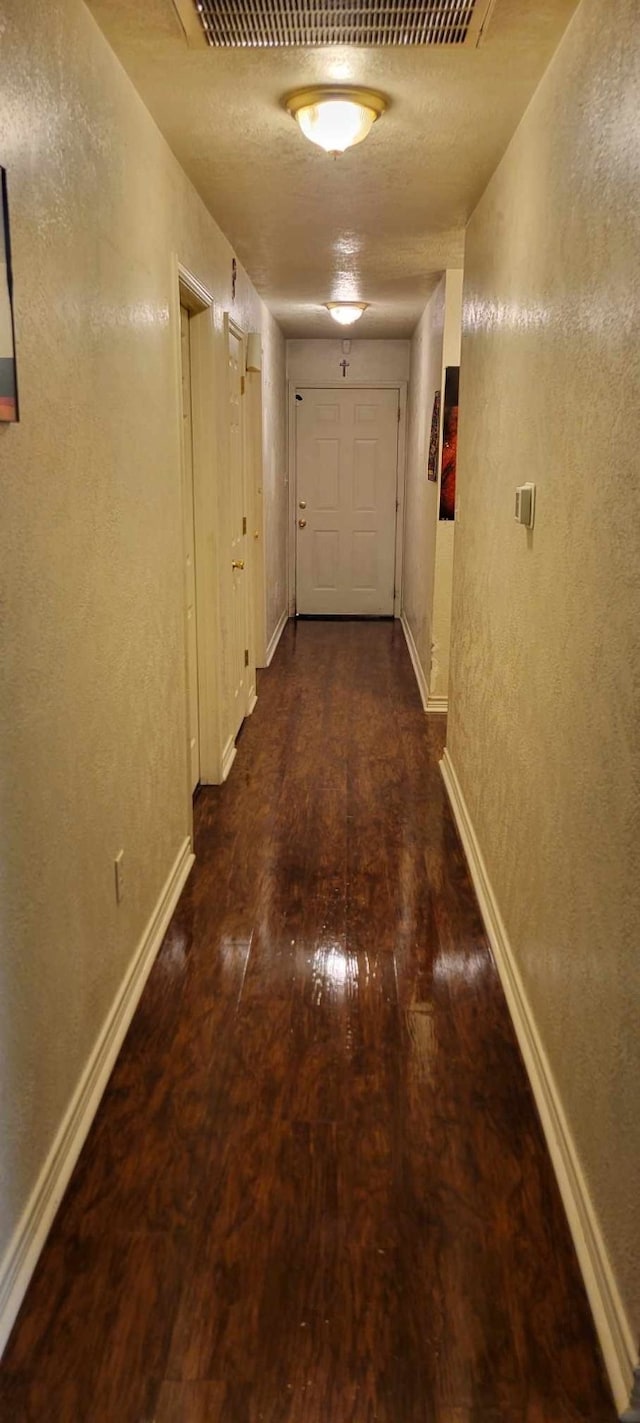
[[303, 504], [237, 563], [256, 534], [302, 523]]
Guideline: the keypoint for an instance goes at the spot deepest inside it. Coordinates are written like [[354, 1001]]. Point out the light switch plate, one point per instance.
[[118, 865], [525, 504]]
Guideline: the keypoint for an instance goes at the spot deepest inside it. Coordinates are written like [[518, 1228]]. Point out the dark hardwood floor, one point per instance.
[[316, 1190]]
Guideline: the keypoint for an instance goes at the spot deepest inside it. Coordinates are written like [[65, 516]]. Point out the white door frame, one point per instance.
[[189, 564], [255, 512], [231, 327], [187, 290], [401, 387], [250, 484]]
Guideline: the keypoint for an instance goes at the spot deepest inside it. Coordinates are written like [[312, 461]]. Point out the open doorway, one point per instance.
[[196, 377]]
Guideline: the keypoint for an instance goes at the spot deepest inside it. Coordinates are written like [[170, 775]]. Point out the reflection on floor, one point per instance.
[[316, 1190]]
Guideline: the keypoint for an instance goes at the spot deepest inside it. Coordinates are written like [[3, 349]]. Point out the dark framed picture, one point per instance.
[[449, 444], [8, 377], [432, 466]]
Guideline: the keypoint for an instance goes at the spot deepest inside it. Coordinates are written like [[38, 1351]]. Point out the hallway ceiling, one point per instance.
[[380, 223]]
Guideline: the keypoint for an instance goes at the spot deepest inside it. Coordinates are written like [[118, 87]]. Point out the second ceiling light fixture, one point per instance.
[[346, 312]]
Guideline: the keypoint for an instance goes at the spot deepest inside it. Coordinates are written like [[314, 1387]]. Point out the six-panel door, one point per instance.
[[236, 505], [347, 468]]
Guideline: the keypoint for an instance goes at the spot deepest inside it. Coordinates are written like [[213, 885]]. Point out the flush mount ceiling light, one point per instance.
[[346, 312], [336, 118]]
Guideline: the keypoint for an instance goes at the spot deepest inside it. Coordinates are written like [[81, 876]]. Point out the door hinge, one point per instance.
[[397, 505], [242, 385], [244, 524], [246, 657], [398, 414]]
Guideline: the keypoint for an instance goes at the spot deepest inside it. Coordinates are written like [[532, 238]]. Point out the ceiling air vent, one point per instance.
[[279, 24]]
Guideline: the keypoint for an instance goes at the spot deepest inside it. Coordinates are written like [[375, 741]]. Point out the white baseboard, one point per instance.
[[275, 636], [632, 1413], [417, 665], [253, 701], [439, 705], [31, 1232], [228, 757], [614, 1330]]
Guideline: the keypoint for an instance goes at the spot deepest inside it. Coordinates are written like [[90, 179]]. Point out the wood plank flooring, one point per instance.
[[316, 1190]]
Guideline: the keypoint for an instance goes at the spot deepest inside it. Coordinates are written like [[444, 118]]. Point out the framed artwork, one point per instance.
[[449, 444], [432, 467], [8, 378]]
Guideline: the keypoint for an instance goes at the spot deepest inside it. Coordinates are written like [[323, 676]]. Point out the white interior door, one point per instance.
[[347, 475], [189, 551], [238, 651]]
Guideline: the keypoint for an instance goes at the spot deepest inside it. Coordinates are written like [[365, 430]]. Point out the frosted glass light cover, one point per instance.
[[345, 312], [336, 124]]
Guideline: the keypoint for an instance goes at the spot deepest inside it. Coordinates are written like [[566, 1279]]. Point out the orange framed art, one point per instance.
[[8, 378]]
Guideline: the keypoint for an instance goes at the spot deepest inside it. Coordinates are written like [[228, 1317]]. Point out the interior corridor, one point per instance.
[[316, 1188]]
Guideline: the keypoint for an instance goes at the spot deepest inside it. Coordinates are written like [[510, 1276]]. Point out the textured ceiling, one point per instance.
[[378, 224]]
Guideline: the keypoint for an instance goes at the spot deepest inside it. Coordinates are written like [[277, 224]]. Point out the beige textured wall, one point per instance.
[[92, 717], [319, 360], [421, 498], [544, 726]]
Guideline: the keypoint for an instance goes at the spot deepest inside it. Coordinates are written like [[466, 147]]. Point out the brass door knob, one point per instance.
[[302, 523], [237, 563], [303, 504], [256, 534]]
